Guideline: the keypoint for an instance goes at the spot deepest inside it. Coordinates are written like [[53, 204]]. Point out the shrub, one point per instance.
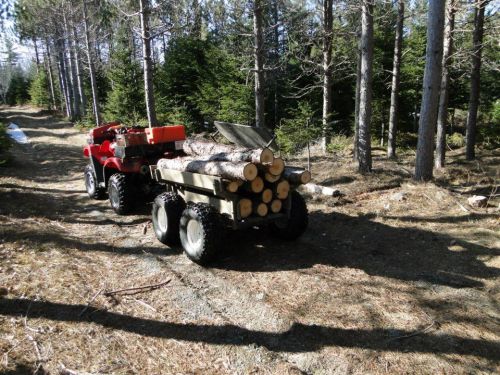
[[39, 90], [456, 140], [339, 143]]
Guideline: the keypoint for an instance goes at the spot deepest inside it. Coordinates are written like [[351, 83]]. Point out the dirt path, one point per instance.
[[391, 278]]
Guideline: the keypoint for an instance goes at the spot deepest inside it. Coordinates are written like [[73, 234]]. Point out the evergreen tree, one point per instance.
[[39, 90]]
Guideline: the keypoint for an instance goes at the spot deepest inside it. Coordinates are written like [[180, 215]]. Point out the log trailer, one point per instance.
[[204, 197], [119, 160]]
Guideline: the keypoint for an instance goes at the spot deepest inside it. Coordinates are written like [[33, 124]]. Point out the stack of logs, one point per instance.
[[260, 180]]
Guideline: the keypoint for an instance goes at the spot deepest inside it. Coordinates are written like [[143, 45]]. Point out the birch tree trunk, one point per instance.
[[445, 81], [259, 64], [393, 112], [475, 79], [51, 77], [430, 91], [147, 63], [327, 70], [356, 105], [37, 56], [93, 82], [365, 94], [79, 71], [72, 72]]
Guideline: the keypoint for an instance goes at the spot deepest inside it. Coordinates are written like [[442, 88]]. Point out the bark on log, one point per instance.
[[219, 152], [296, 176], [242, 170], [267, 195], [245, 208], [277, 167], [321, 190], [276, 206], [260, 209]]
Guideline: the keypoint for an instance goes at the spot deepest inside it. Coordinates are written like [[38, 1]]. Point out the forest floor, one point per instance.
[[392, 277]]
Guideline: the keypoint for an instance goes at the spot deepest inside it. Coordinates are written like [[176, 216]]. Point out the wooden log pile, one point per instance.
[[261, 180]]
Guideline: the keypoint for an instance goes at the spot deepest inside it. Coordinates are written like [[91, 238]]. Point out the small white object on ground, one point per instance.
[[318, 189], [14, 132], [478, 201]]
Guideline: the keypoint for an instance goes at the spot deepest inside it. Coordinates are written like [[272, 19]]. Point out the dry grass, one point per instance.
[[393, 277]]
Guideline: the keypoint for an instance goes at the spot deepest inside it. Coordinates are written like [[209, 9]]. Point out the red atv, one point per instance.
[[120, 157]]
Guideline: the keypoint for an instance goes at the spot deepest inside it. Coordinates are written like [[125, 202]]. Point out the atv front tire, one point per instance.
[[201, 232], [167, 211], [91, 184], [120, 193], [296, 224]]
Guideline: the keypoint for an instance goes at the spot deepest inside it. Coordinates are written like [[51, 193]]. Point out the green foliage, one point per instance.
[[339, 143], [295, 132], [39, 90], [18, 94], [456, 140], [5, 144], [125, 102]]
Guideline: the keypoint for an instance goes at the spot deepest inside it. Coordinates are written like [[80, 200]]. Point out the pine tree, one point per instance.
[[40, 91]]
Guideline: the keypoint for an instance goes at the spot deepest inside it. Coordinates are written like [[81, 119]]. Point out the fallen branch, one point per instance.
[[425, 330], [91, 300], [136, 290]]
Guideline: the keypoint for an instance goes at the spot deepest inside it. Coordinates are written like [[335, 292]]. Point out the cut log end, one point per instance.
[[250, 172], [276, 206], [277, 167], [271, 178], [297, 176], [232, 186], [267, 195], [260, 209], [257, 185], [266, 156], [245, 208], [282, 189]]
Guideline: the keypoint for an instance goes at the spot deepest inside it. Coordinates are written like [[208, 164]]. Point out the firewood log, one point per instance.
[[282, 189], [277, 167], [271, 178], [255, 186], [242, 170], [260, 209], [219, 152], [245, 207], [276, 206], [297, 176], [267, 195], [232, 186]]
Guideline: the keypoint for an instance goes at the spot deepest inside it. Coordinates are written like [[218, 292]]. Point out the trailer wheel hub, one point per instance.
[[162, 219], [194, 234]]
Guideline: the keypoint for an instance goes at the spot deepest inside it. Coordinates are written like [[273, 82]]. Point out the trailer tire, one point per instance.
[[120, 193], [91, 185], [296, 224], [167, 211], [200, 232]]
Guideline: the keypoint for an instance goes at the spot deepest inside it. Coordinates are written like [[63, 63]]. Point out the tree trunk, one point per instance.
[[327, 71], [64, 78], [430, 91], [79, 71], [356, 105], [93, 82], [37, 57], [475, 79], [365, 95], [445, 81], [51, 77], [147, 63], [296, 176], [73, 74], [259, 64], [393, 112], [220, 152], [233, 171]]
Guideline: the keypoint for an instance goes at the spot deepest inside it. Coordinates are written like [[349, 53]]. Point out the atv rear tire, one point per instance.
[[167, 211], [296, 224], [91, 185], [120, 193], [201, 232]]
